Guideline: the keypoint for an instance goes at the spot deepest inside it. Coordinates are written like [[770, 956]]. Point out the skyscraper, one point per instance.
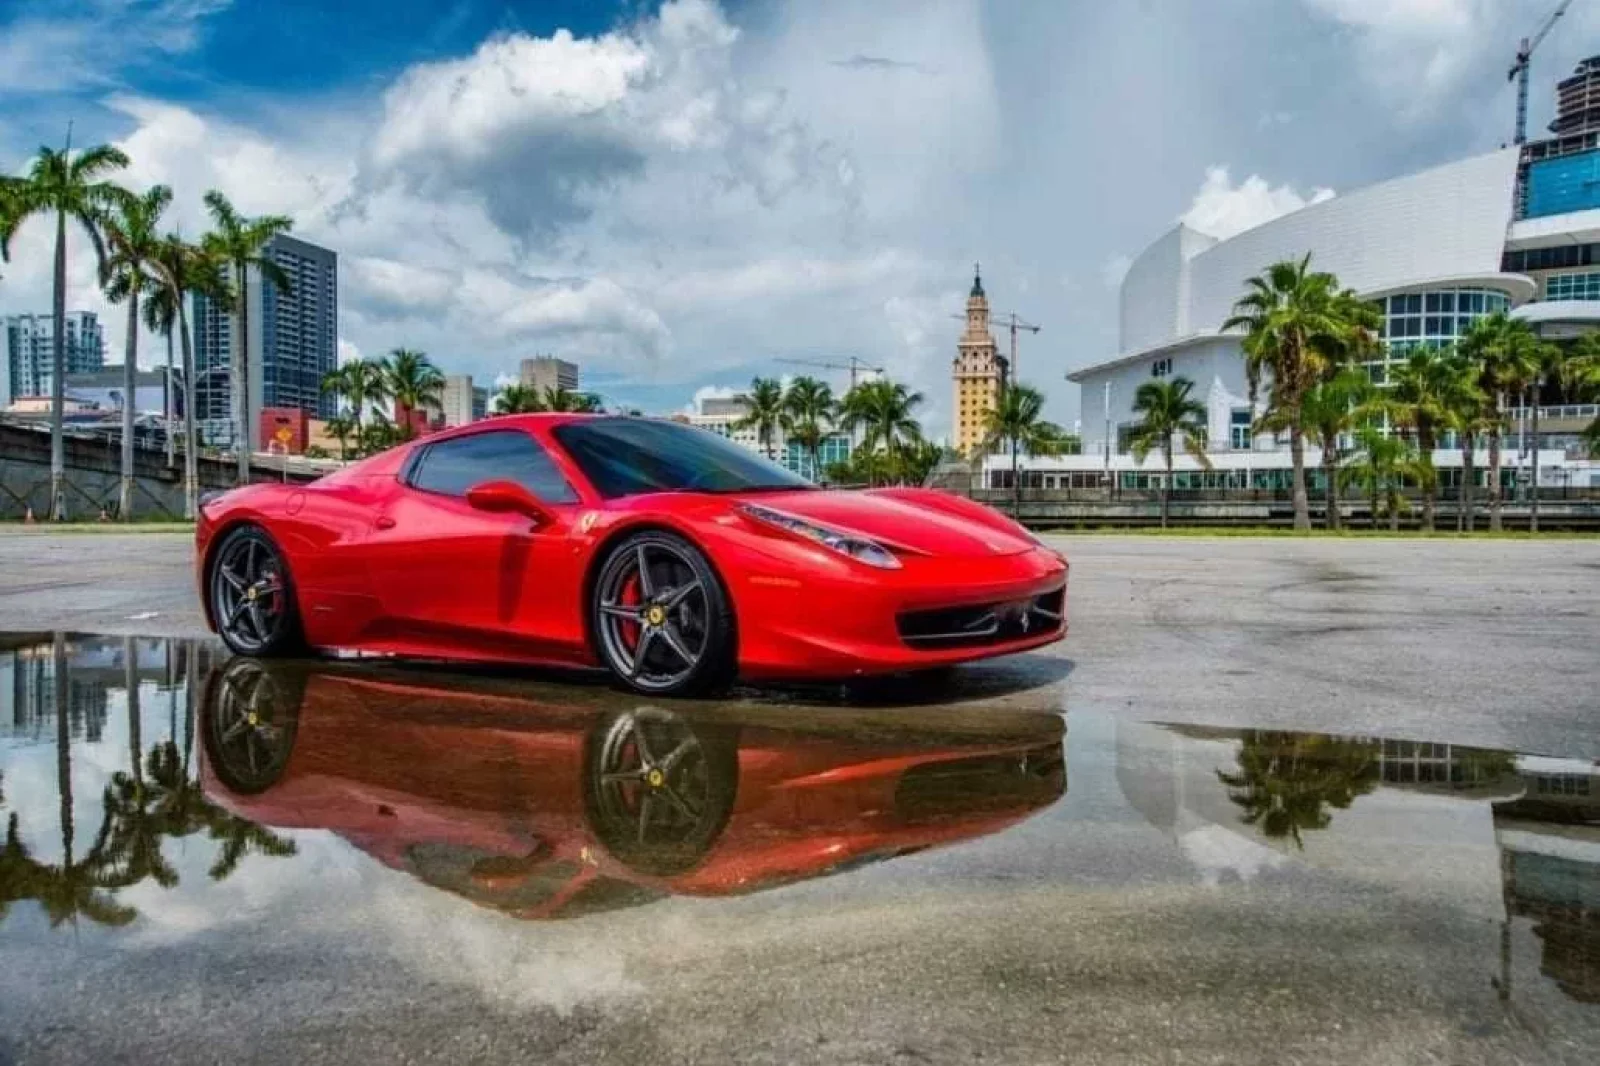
[[293, 340], [29, 352], [978, 372], [548, 372]]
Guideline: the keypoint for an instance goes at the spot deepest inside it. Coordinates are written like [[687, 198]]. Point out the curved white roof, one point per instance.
[[1447, 225]]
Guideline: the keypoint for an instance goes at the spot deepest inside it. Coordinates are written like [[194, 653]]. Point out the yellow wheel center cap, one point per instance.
[[251, 718], [656, 778], [655, 616], [250, 593]]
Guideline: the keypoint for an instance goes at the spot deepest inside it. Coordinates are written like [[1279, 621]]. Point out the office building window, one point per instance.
[[1584, 286], [1239, 423]]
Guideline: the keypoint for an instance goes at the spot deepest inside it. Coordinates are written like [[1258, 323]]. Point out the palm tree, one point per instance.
[[1286, 781], [182, 269], [161, 316], [917, 459], [1419, 398], [241, 243], [414, 384], [1166, 411], [1508, 354], [1298, 325], [1017, 422], [516, 399], [132, 236], [561, 399], [1329, 409], [765, 412], [66, 186], [340, 428], [882, 410], [1381, 467], [1581, 374], [807, 414]]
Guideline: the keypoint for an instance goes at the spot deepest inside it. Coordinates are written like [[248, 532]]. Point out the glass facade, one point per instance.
[[1573, 286], [1434, 318], [796, 459], [1568, 183]]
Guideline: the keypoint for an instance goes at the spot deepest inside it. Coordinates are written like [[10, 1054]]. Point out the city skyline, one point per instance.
[[817, 244]]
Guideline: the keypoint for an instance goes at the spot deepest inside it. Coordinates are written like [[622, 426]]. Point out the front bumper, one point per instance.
[[851, 620]]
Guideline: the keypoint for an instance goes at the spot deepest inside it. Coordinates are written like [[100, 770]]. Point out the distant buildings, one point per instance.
[[548, 372], [463, 401], [293, 341], [722, 415], [27, 356], [978, 373]]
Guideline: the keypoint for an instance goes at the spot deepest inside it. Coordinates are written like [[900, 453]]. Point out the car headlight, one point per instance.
[[856, 547]]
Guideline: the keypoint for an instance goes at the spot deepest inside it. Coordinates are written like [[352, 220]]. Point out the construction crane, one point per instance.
[[854, 366], [1013, 322], [1519, 69]]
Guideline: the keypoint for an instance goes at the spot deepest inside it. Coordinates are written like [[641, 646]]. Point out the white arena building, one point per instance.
[[1435, 250]]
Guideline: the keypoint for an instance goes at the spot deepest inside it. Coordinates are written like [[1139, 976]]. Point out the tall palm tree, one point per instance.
[[69, 187], [518, 399], [1298, 326], [917, 459], [1329, 410], [414, 384], [340, 428], [366, 387], [1381, 466], [132, 235], [1418, 400], [1508, 354], [161, 316], [1017, 422], [1166, 411], [241, 244], [181, 269], [883, 411], [765, 412], [808, 407], [1582, 376]]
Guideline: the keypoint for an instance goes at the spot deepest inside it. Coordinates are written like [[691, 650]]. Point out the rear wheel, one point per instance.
[[660, 618], [252, 595]]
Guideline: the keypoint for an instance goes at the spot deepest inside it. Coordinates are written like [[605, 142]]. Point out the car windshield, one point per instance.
[[632, 456]]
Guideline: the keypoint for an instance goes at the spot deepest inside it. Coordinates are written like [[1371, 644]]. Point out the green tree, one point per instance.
[[161, 316], [916, 459], [67, 187], [1299, 325], [341, 428], [1507, 355], [1328, 410], [516, 399], [808, 408], [1287, 781], [882, 410], [240, 243], [132, 237], [1017, 422], [764, 406], [1166, 411], [562, 399], [1381, 467], [182, 269], [1418, 401], [414, 384]]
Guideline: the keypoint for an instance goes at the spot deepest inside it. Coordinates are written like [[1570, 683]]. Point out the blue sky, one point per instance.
[[678, 194]]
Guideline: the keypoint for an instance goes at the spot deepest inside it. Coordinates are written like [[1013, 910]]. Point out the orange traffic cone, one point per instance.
[[28, 519]]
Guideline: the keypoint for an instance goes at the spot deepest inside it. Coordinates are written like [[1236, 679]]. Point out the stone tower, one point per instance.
[[979, 372]]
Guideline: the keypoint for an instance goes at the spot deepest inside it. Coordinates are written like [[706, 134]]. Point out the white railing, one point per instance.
[[1568, 410]]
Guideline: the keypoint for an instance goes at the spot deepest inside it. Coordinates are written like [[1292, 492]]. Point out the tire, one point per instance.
[[658, 788], [670, 633], [252, 596], [249, 717]]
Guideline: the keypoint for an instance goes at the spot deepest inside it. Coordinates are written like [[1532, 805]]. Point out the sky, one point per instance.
[[681, 195]]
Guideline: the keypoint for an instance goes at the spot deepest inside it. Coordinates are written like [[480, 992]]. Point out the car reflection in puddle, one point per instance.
[[545, 811]]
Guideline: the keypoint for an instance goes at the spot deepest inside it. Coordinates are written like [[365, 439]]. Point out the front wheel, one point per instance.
[[661, 620], [252, 595]]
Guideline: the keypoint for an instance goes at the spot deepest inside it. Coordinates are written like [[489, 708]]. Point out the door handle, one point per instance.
[[384, 522]]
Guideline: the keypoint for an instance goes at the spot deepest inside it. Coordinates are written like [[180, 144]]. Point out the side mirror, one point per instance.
[[508, 497]]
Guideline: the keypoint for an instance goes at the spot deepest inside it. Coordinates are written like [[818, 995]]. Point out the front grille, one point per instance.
[[977, 625]]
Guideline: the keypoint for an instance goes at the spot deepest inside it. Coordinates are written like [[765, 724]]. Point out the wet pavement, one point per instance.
[[211, 859]]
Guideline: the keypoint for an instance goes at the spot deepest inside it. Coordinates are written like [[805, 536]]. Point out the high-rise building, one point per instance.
[[29, 352], [460, 401], [548, 372], [293, 341], [978, 372], [480, 402]]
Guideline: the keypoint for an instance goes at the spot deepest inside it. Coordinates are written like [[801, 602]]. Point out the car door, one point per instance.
[[462, 580]]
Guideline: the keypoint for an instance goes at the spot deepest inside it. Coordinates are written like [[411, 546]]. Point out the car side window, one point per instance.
[[451, 467]]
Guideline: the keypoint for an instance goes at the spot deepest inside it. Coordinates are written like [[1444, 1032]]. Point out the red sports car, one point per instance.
[[665, 553], [552, 809]]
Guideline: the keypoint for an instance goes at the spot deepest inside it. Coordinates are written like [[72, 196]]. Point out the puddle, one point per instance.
[[525, 841]]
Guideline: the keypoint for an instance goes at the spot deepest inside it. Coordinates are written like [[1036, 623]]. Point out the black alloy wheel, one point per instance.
[[658, 788], [252, 595], [661, 619], [250, 716]]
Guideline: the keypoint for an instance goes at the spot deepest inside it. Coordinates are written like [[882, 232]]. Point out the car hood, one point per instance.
[[898, 523]]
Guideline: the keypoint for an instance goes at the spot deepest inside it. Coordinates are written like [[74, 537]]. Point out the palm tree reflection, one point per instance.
[[1287, 781]]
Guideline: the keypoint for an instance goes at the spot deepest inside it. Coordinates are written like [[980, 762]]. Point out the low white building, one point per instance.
[[1434, 251]]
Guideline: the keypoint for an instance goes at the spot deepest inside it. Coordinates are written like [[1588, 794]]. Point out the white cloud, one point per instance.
[[91, 45], [1222, 209]]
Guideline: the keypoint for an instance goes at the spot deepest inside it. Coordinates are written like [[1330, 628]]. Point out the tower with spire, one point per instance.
[[978, 372]]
